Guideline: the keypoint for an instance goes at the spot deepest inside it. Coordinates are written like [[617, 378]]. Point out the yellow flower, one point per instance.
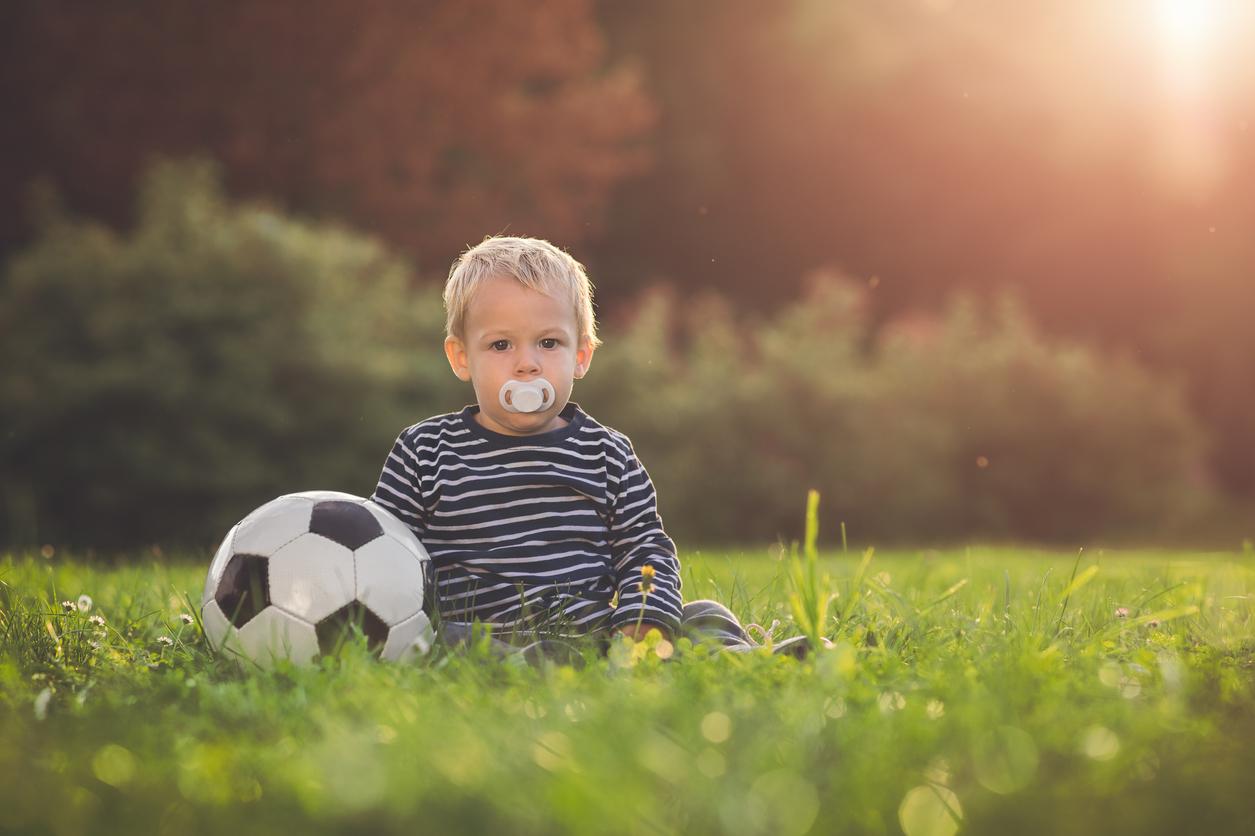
[[647, 572]]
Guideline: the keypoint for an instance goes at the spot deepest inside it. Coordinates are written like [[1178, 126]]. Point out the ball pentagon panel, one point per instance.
[[338, 627], [348, 523], [243, 589]]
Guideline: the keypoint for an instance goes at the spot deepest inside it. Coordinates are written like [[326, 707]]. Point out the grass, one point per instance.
[[984, 690]]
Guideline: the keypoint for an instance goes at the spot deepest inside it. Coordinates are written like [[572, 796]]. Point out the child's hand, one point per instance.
[[637, 632]]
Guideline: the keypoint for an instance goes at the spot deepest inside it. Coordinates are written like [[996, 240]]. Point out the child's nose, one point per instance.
[[527, 363]]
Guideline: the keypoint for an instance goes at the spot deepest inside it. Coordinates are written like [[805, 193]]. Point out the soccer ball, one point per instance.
[[292, 576]]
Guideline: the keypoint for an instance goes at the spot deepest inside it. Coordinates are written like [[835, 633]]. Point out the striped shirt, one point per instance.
[[542, 531]]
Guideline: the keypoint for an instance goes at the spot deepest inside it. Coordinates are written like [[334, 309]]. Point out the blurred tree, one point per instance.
[[937, 146], [970, 424], [158, 386], [429, 123]]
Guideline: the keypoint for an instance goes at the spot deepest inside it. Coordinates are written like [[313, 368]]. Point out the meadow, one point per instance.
[[980, 690]]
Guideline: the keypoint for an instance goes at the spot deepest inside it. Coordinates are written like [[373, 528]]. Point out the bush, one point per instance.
[[968, 425], [158, 385]]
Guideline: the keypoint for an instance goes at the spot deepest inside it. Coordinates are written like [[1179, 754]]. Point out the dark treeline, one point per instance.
[[733, 145], [161, 383]]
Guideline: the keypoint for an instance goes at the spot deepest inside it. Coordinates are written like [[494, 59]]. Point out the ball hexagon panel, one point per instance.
[[412, 637], [311, 577], [273, 525], [326, 496], [275, 634], [338, 626], [389, 579], [242, 591], [348, 523], [218, 629], [398, 530], [217, 565]]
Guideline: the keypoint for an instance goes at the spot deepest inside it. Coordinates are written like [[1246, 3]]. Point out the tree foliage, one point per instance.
[[971, 424], [158, 385], [430, 123]]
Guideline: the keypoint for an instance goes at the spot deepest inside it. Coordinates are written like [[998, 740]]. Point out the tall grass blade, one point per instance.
[[810, 594]]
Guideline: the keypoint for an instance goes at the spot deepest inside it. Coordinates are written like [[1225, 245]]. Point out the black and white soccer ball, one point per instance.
[[291, 577]]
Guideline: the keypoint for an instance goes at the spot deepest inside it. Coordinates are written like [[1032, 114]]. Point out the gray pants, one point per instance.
[[710, 621], [701, 621]]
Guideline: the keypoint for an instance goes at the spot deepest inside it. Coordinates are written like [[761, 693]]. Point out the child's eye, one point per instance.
[[499, 345], [549, 342]]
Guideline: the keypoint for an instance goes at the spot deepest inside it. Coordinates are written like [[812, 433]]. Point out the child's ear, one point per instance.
[[455, 350], [583, 357]]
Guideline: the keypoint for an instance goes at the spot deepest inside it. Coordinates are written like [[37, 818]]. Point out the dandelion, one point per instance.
[[646, 586], [47, 551], [68, 606], [84, 603], [186, 618], [647, 578], [165, 640], [1122, 612]]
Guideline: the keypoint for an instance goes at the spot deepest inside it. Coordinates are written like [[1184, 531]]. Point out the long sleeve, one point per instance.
[[398, 489], [637, 539]]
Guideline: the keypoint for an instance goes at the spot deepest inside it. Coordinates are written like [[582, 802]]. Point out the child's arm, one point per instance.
[[637, 540], [398, 489]]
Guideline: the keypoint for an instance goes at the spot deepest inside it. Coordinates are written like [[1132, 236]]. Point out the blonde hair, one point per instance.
[[533, 263]]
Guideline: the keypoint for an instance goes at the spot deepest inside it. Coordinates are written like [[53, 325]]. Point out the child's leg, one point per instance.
[[710, 621], [713, 622], [457, 635], [529, 649]]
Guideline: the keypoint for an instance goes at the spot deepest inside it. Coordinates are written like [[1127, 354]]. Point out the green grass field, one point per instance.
[[984, 691]]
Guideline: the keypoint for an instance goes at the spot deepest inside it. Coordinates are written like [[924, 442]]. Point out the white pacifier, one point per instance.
[[526, 395]]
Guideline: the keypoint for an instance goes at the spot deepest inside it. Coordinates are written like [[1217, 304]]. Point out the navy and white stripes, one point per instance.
[[532, 531]]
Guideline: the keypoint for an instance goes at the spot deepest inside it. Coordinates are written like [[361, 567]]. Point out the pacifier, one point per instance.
[[526, 395]]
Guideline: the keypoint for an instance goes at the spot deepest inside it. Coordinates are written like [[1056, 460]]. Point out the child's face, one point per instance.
[[514, 333]]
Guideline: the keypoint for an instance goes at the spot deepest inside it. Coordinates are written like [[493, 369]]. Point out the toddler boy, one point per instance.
[[536, 516]]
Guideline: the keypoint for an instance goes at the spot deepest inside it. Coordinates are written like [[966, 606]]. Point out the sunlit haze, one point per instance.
[[1189, 152]]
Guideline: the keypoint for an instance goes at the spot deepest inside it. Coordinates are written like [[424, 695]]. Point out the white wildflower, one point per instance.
[[41, 703], [891, 701], [84, 603]]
